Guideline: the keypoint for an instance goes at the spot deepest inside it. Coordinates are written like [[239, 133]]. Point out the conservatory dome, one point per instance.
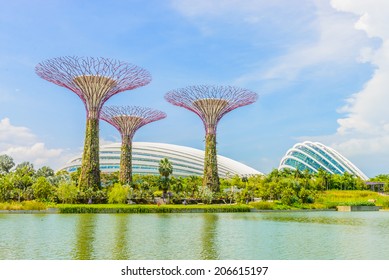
[[146, 156], [314, 156]]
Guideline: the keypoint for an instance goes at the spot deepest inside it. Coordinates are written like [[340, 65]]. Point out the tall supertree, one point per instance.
[[94, 80], [211, 103], [128, 119]]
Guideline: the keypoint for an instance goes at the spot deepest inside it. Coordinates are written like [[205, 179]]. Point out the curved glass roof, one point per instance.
[[146, 156], [314, 156]]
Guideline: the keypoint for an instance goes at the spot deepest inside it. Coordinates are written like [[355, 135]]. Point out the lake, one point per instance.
[[223, 236]]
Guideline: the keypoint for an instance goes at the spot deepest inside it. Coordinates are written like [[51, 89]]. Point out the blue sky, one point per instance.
[[320, 67]]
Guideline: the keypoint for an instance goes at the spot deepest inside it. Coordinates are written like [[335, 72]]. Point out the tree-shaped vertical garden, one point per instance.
[[211, 103], [128, 119], [94, 80]]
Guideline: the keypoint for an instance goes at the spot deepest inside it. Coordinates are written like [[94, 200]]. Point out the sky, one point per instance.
[[320, 68]]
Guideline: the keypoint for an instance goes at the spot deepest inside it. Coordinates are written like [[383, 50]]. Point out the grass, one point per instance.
[[124, 208], [331, 199]]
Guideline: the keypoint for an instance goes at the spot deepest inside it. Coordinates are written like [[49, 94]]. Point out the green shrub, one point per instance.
[[118, 194], [124, 208], [67, 192], [263, 205], [25, 205]]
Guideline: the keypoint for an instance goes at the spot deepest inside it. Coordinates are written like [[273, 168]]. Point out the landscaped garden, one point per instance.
[[24, 188]]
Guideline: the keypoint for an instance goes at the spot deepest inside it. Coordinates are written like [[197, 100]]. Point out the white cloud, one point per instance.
[[23, 145], [336, 42], [339, 35], [363, 133]]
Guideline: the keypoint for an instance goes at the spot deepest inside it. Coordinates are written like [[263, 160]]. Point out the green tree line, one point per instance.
[[23, 182]]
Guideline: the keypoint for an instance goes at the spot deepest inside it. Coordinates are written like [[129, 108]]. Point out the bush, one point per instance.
[[67, 193], [263, 205], [89, 208], [25, 205], [118, 194]]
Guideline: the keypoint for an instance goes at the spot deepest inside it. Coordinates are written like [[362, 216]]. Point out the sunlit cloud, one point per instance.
[[23, 145]]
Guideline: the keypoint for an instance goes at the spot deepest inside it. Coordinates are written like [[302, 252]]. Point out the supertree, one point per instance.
[[94, 80], [211, 103], [128, 119]]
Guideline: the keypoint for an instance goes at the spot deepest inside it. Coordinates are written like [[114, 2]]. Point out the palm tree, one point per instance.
[[165, 170]]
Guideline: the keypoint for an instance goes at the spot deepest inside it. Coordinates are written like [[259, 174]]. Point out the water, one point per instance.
[[274, 235]]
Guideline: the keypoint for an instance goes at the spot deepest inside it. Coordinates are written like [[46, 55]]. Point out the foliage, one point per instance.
[[211, 175], [357, 203], [6, 164], [67, 192], [263, 205], [6, 187], [165, 169], [42, 189], [206, 195], [90, 167], [331, 199], [118, 194], [25, 205], [44, 171], [123, 208], [125, 173]]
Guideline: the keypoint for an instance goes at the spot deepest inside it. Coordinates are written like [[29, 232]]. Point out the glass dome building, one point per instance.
[[146, 157], [314, 155]]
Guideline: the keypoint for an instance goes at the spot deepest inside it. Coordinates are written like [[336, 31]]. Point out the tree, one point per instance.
[[165, 170], [127, 120], [25, 169], [191, 184], [94, 80], [6, 163], [44, 171], [66, 192], [42, 189], [5, 187], [211, 103]]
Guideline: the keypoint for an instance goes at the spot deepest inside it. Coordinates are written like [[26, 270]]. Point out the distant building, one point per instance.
[[314, 155], [146, 157]]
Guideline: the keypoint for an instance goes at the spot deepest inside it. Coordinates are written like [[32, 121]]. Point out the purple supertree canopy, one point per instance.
[[94, 80], [211, 103], [128, 119]]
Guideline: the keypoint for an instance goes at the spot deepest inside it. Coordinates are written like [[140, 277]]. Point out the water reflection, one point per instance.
[[287, 217], [85, 235], [208, 237], [121, 250]]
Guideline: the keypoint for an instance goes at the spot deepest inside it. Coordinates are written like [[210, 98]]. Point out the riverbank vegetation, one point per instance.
[[139, 208], [23, 187]]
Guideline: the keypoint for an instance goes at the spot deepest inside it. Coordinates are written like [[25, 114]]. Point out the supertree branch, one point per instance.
[[128, 119], [94, 80], [211, 103]]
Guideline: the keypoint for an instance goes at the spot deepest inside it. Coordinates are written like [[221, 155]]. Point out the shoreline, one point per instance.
[[173, 211]]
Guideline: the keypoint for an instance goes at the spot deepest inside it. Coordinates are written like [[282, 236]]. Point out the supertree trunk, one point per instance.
[[94, 80], [90, 171], [211, 103], [125, 173], [128, 119], [211, 175]]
